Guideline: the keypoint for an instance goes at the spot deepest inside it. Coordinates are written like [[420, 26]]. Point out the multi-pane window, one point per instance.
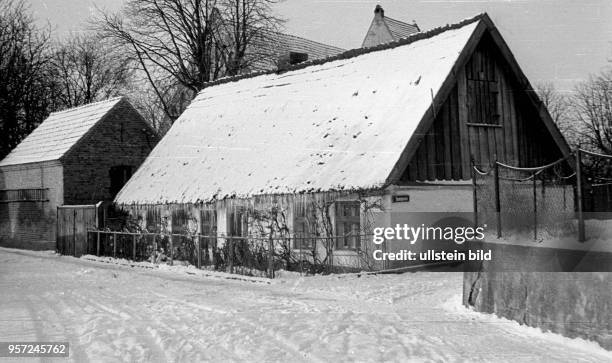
[[303, 228], [237, 223], [483, 89], [347, 225]]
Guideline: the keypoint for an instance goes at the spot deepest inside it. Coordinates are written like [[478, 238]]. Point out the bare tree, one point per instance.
[[25, 86], [560, 108], [180, 45], [86, 70], [593, 110]]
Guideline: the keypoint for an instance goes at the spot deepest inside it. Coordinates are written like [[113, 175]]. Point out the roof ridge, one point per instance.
[[109, 100], [352, 53]]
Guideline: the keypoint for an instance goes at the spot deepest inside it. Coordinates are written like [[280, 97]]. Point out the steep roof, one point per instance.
[[281, 45], [399, 29], [57, 134], [315, 50], [337, 124]]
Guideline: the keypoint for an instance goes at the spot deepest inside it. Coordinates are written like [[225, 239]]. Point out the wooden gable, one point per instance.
[[488, 115]]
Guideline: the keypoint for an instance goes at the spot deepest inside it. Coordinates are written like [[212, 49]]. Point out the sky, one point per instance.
[[558, 41]]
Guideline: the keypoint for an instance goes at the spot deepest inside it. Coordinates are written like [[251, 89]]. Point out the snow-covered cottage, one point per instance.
[[391, 127], [82, 155]]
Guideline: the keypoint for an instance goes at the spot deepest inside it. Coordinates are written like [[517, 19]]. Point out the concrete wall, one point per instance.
[[121, 138], [574, 304], [31, 224]]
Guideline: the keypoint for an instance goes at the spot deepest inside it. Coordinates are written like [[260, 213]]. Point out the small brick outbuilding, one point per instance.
[[82, 155]]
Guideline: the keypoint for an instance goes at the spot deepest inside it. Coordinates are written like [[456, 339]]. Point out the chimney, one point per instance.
[[379, 12]]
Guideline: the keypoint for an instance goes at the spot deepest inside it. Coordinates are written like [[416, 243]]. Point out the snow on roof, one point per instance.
[[339, 124], [58, 133]]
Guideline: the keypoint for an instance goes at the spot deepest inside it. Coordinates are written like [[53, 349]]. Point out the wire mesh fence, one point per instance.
[[547, 202], [252, 256]]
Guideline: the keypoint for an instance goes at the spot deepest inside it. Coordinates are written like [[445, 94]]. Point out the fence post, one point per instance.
[[535, 207], [230, 254], [474, 192], [579, 191], [98, 244], [199, 249], [497, 200], [270, 257], [134, 247], [171, 250], [154, 249], [114, 244]]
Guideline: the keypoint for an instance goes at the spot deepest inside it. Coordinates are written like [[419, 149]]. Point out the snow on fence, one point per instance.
[[549, 201], [252, 256]]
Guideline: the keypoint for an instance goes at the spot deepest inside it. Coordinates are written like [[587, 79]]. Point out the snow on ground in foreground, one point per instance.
[[111, 312]]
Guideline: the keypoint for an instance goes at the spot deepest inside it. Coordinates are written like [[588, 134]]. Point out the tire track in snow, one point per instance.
[[288, 346]]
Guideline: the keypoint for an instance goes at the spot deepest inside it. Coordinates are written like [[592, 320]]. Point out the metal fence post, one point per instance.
[[134, 247], [579, 192], [497, 200], [98, 244], [154, 249], [230, 254], [114, 245], [171, 250], [270, 257], [535, 207], [199, 251], [474, 192]]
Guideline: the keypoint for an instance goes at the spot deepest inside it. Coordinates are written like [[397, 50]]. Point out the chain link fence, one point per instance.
[[560, 199]]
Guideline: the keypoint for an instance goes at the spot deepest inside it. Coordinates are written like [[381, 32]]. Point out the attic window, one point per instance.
[[348, 225], [296, 57], [482, 90]]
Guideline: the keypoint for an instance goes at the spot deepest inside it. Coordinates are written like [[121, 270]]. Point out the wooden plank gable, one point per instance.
[[487, 116]]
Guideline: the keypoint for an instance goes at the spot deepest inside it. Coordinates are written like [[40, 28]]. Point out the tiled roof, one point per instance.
[[58, 133], [399, 29], [277, 45], [337, 124], [315, 50]]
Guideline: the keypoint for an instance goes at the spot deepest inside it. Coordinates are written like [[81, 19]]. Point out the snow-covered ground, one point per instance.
[[112, 312]]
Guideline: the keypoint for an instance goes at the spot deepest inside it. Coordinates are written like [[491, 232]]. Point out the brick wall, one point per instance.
[[30, 224], [121, 138]]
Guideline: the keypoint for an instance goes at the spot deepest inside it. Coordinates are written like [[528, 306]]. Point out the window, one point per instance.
[[348, 225], [295, 57], [237, 223], [303, 228], [208, 220], [23, 195], [483, 89], [119, 175]]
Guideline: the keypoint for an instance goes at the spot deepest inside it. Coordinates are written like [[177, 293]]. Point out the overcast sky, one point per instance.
[[561, 41]]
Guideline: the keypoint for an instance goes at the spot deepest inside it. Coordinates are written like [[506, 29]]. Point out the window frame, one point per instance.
[[352, 240]]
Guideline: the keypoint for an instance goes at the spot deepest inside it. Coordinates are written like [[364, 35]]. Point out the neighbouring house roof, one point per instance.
[[399, 29], [337, 124], [315, 50], [58, 133], [384, 29], [279, 46]]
